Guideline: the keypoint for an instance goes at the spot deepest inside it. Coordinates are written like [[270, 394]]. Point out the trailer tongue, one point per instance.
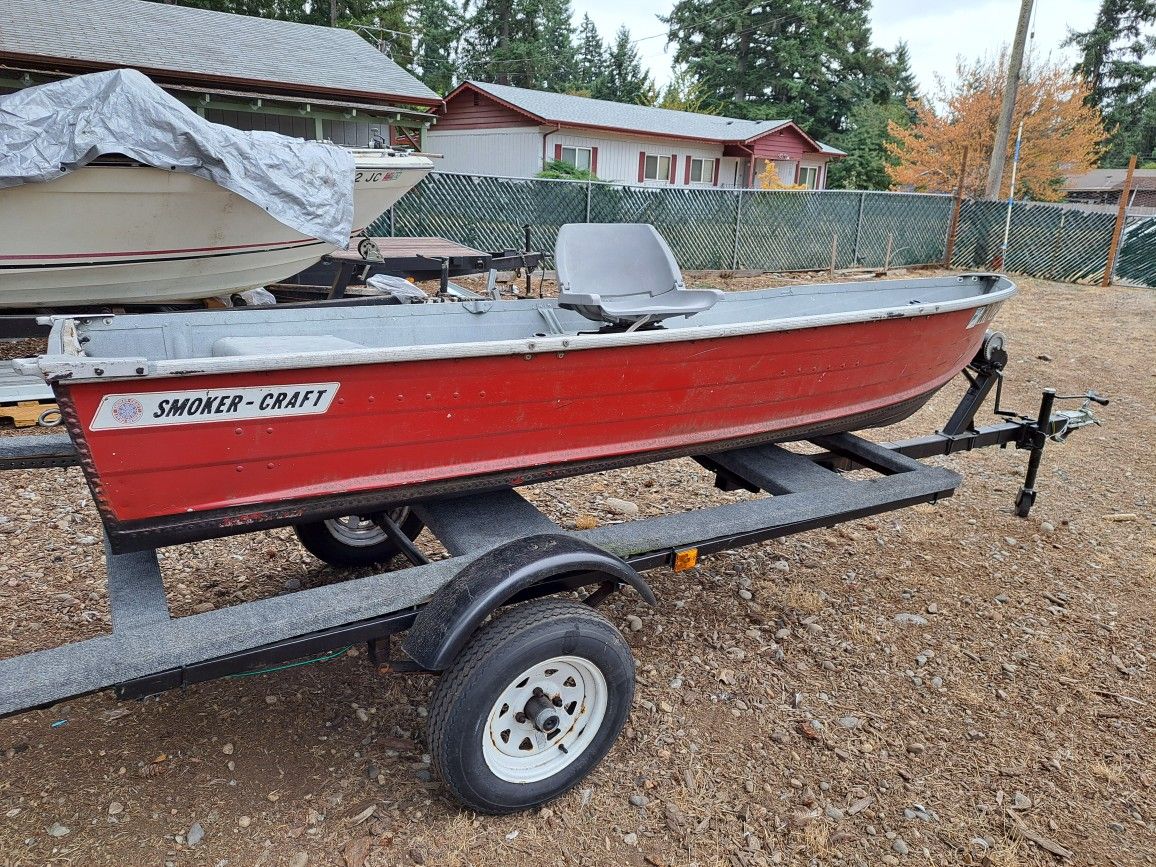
[[529, 702]]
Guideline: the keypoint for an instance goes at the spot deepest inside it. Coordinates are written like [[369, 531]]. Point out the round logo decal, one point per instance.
[[127, 410]]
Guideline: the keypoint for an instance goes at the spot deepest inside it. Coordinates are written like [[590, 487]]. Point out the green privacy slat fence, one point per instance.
[[774, 230], [1136, 262], [485, 213], [779, 230], [699, 224], [1055, 242]]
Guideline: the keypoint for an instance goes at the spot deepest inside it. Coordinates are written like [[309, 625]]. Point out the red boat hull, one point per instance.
[[401, 431]]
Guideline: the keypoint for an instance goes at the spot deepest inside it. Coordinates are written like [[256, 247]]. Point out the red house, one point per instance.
[[493, 129]]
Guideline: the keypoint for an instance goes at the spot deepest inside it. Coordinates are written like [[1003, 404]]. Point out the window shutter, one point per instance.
[[593, 161], [673, 167], [558, 152], [641, 166], [717, 168], [686, 174]]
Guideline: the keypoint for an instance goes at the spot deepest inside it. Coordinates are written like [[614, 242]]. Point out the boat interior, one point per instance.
[[613, 279]]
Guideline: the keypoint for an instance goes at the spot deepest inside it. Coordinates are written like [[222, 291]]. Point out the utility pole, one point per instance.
[[1003, 129]]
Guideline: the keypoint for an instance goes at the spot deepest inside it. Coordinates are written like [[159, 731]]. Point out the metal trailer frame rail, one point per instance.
[[502, 549]]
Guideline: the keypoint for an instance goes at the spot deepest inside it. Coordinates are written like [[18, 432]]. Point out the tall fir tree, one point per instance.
[[624, 80], [803, 59], [494, 44], [437, 26], [590, 58], [905, 88], [891, 92], [524, 43], [1117, 59], [555, 57], [385, 23]]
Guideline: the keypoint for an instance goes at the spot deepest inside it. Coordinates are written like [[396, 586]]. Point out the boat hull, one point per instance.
[[130, 234], [398, 432]]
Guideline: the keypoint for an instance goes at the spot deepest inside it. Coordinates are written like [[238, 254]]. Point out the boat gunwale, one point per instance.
[[71, 364]]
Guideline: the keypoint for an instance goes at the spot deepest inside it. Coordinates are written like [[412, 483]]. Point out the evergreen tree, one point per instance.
[[494, 49], [905, 88], [555, 58], [625, 80], [891, 93], [525, 43], [802, 59], [590, 59], [865, 141], [385, 24], [437, 26], [1116, 58], [683, 93]]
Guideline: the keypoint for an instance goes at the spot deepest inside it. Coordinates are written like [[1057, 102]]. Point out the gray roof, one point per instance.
[[1111, 179], [208, 46], [583, 111]]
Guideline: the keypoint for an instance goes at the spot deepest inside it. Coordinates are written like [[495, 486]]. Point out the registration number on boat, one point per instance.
[[159, 408]]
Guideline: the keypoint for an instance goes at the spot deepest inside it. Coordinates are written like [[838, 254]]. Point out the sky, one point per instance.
[[936, 31]]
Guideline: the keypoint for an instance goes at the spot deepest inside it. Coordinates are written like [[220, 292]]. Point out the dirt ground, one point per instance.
[[783, 715]]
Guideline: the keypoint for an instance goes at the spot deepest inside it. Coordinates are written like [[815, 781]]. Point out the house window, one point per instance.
[[809, 177], [657, 168], [702, 171], [577, 157]]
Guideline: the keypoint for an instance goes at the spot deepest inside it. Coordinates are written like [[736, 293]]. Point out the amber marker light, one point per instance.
[[685, 559]]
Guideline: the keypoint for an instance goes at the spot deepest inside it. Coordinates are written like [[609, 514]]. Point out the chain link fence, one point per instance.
[[779, 230]]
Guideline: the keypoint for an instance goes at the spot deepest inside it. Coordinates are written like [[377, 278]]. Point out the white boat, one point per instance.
[[125, 233]]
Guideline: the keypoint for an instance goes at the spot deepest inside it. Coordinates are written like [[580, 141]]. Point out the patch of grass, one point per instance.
[[1109, 773]]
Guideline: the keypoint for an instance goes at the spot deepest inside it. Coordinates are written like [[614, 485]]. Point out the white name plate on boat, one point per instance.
[[158, 408]]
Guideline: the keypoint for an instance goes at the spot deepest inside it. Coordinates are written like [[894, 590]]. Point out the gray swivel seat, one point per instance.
[[623, 274]]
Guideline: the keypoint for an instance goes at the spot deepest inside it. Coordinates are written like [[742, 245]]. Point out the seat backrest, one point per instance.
[[610, 259]]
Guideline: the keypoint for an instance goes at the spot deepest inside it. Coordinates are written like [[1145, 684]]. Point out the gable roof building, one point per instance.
[[524, 129], [255, 73], [1104, 186]]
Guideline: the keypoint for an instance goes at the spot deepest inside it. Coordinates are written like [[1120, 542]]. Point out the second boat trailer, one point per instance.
[[530, 701]]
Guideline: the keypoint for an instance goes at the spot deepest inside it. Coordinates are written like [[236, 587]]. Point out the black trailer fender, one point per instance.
[[443, 626]]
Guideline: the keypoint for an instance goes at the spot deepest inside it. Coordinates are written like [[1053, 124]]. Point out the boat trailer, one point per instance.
[[529, 702]]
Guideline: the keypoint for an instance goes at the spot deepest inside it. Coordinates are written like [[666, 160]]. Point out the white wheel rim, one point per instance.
[[359, 532], [517, 752]]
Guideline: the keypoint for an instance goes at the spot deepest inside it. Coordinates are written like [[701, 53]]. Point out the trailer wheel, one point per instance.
[[530, 706], [356, 540]]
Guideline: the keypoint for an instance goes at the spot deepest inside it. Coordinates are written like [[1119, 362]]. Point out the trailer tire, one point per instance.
[[481, 738], [356, 540]]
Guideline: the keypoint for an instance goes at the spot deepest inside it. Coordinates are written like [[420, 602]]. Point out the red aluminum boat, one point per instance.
[[198, 425]]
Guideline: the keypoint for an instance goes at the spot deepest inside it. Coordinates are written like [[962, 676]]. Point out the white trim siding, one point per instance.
[[521, 152]]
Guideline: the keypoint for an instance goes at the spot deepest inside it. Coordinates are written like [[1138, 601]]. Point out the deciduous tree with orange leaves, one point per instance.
[[1062, 134]]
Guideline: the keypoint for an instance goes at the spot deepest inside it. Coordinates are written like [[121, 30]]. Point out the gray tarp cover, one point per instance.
[[52, 129]]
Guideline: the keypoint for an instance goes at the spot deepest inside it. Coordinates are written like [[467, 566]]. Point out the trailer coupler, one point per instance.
[[1054, 426]]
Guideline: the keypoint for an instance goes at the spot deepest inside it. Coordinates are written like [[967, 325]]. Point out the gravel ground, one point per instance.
[[785, 712]]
